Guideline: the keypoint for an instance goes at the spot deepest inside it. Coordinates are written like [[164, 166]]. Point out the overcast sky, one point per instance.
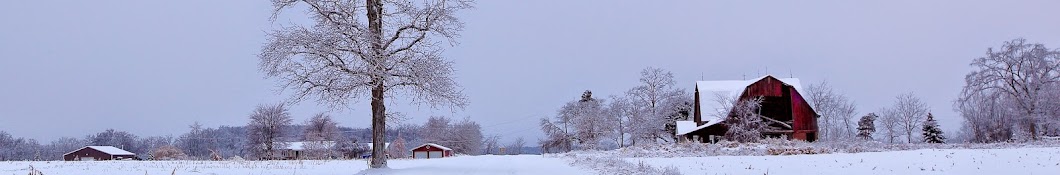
[[68, 69]]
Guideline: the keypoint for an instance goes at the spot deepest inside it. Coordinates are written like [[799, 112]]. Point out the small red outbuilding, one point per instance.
[[91, 153], [431, 151]]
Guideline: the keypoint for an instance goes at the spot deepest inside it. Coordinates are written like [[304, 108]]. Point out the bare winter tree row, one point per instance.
[[644, 114], [903, 118], [837, 112]]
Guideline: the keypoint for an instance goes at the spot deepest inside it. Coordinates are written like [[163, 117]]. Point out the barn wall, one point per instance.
[[89, 152], [86, 152], [768, 87], [804, 116]]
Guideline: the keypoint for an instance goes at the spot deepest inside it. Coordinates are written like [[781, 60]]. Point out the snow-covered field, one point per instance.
[[929, 161], [926, 161], [485, 165]]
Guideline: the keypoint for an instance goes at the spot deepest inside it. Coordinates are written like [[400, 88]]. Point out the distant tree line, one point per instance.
[[269, 128]]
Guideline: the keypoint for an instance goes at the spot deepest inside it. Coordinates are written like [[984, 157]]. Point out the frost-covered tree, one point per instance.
[[624, 117], [889, 123], [7, 141], [372, 48], [152, 143], [932, 132], [466, 137], [867, 126], [347, 147], [490, 145], [266, 128], [588, 121], [836, 112], [910, 112], [436, 129], [580, 124], [318, 149], [19, 149], [320, 134], [516, 147], [655, 91], [58, 147], [197, 143], [1022, 75], [321, 127], [168, 152], [231, 141], [398, 148], [557, 138], [119, 139], [410, 132], [745, 122], [27, 149], [680, 108]]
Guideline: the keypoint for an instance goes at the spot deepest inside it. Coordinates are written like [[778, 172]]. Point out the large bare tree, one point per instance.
[[655, 94], [910, 113], [373, 48], [1021, 73], [889, 124], [321, 128], [267, 126], [836, 110]]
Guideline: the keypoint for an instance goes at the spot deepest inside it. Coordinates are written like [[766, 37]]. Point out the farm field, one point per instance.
[[927, 161]]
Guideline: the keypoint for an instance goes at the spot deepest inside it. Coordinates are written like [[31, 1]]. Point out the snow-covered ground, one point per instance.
[[929, 161], [521, 164]]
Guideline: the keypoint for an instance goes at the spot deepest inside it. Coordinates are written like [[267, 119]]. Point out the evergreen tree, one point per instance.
[[398, 149], [867, 126], [932, 132]]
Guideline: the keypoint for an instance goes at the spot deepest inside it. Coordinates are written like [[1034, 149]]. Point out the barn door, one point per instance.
[[419, 154], [435, 154]]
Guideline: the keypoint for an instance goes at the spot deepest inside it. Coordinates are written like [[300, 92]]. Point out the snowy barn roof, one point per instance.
[[434, 145], [369, 145], [298, 146], [712, 95], [106, 149], [685, 127]]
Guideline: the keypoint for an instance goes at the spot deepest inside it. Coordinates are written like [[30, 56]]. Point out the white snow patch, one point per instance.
[[492, 164], [931, 161]]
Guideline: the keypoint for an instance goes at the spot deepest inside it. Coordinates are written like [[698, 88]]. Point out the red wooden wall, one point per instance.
[[805, 118]]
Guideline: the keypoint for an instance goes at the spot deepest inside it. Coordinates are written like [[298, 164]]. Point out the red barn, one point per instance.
[[792, 117], [91, 153], [431, 151]]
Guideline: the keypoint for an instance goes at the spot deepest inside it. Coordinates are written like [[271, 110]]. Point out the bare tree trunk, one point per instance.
[[908, 136], [375, 24], [378, 128], [621, 134]]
